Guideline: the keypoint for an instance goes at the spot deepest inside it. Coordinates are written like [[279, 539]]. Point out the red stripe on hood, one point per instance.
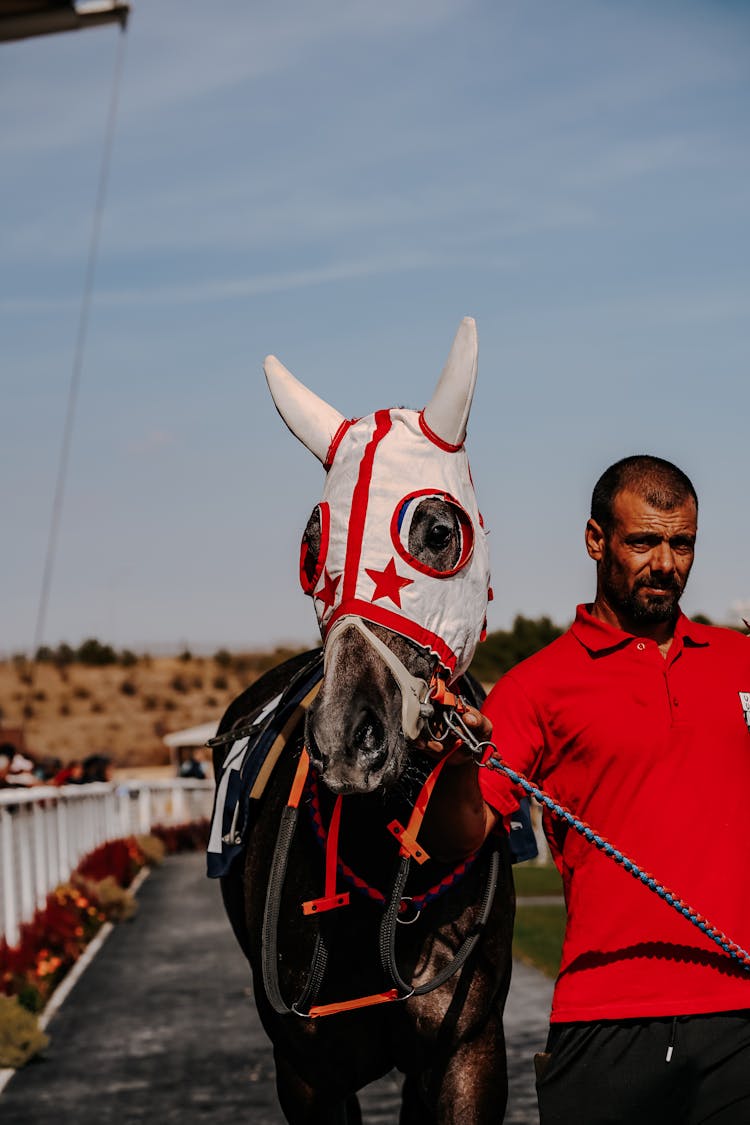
[[358, 513], [397, 623]]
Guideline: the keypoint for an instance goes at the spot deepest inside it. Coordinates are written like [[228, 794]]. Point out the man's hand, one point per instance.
[[451, 744], [458, 821]]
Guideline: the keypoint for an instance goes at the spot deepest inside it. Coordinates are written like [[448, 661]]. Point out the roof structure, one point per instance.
[[191, 736], [23, 19]]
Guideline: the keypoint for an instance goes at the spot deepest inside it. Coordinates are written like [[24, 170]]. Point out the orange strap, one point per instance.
[[407, 837], [300, 777], [330, 899], [350, 1005], [440, 694]]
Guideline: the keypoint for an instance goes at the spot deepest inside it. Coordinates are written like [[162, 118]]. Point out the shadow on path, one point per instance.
[[161, 1027]]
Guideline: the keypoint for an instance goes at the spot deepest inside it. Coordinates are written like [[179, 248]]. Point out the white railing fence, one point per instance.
[[46, 832]]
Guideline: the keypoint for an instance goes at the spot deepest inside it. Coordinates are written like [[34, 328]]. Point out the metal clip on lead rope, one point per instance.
[[456, 724]]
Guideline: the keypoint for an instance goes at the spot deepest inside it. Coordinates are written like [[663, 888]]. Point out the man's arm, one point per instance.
[[458, 819]]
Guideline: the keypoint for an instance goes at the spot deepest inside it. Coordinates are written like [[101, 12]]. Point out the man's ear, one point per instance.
[[595, 540]]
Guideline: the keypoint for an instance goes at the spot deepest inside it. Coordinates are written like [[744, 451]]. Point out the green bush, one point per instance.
[[95, 653], [116, 903], [153, 849], [505, 648], [20, 1037]]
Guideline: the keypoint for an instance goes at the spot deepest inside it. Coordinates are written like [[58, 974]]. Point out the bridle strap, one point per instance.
[[415, 705], [407, 837]]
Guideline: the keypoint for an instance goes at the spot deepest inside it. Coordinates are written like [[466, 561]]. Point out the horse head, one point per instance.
[[395, 559]]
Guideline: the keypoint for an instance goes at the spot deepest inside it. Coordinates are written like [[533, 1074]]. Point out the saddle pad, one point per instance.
[[249, 764]]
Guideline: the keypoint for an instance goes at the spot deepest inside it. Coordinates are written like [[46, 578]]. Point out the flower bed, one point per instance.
[[59, 933], [96, 892]]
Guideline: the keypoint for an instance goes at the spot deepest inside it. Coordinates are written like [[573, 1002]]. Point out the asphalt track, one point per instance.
[[161, 1027]]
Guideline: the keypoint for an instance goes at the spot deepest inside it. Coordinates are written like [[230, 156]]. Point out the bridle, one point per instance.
[[418, 696]]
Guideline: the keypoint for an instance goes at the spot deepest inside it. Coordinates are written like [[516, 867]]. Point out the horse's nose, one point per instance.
[[368, 739]]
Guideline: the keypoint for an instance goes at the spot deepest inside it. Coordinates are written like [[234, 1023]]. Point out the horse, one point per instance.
[[363, 960]]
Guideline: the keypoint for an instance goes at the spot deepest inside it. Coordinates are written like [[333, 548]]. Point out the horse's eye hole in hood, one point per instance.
[[314, 548], [432, 532]]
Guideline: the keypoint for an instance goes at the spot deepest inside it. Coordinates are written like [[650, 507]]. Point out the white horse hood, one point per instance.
[[381, 470]]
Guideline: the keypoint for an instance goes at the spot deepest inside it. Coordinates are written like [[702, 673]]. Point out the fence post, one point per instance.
[[40, 857], [26, 877], [10, 905], [144, 809]]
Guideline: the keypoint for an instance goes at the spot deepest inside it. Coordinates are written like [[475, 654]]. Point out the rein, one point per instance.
[[496, 763], [305, 1005]]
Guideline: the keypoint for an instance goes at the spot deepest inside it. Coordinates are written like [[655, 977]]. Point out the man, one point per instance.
[[638, 720]]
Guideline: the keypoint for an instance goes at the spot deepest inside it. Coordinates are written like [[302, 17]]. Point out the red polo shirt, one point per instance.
[[654, 754]]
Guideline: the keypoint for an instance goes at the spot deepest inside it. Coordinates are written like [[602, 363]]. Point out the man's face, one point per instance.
[[644, 563]]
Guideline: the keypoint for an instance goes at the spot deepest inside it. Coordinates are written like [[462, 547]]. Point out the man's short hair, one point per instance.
[[660, 483]]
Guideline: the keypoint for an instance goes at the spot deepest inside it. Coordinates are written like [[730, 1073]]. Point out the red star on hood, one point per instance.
[[327, 592], [388, 584]]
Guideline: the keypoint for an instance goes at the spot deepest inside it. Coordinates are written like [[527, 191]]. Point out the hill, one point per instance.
[[122, 707]]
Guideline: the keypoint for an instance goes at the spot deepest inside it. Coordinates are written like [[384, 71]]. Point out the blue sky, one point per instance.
[[339, 183]]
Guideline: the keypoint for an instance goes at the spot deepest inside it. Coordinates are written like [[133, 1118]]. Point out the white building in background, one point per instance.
[[191, 743]]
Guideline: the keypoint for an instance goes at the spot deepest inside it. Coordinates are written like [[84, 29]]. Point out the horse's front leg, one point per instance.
[[303, 1104], [469, 1086]]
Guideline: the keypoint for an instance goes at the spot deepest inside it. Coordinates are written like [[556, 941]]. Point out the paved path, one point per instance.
[[160, 1027]]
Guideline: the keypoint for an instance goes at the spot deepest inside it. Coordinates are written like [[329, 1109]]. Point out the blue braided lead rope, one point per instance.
[[495, 762]]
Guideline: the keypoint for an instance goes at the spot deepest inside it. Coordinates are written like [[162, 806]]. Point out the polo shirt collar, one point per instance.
[[599, 636]]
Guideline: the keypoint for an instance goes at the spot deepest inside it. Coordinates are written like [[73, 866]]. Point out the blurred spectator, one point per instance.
[[97, 767], [47, 769], [5, 761], [21, 772], [192, 767], [72, 774]]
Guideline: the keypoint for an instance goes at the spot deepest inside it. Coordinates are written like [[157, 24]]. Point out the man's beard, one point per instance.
[[646, 609]]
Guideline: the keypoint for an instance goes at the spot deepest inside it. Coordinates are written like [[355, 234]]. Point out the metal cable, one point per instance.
[[78, 355]]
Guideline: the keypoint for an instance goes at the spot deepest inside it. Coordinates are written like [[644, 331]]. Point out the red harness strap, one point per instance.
[[330, 900], [407, 837]]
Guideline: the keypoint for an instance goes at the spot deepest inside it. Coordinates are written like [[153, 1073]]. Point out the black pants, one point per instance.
[[617, 1073]]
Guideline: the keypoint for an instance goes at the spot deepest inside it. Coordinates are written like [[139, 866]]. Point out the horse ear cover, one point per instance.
[[309, 418], [447, 412]]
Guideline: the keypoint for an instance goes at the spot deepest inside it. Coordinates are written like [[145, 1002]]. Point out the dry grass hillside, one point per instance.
[[71, 710]]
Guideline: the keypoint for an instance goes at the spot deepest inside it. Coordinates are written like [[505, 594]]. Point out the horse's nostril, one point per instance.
[[368, 737]]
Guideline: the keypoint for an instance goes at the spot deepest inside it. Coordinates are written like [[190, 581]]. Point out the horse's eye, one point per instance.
[[438, 537], [313, 549], [433, 533]]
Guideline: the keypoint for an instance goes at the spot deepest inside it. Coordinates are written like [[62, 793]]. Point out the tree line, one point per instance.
[[504, 648]]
